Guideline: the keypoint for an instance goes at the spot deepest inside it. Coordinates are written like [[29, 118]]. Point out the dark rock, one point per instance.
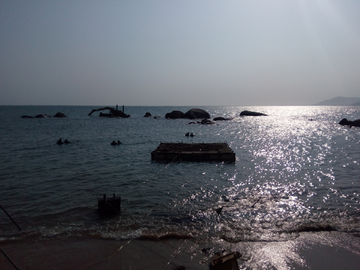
[[147, 114], [41, 116], [59, 114], [196, 114], [112, 113], [221, 119], [344, 122], [355, 123], [174, 115], [249, 113], [206, 122]]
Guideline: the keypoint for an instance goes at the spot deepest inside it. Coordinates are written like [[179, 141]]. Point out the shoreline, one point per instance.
[[314, 250]]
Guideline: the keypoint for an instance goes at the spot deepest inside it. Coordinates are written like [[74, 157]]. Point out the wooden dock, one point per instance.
[[193, 152]]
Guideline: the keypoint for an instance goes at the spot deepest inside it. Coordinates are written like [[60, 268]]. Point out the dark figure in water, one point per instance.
[[66, 141], [218, 210], [116, 143], [187, 134], [59, 142], [192, 134]]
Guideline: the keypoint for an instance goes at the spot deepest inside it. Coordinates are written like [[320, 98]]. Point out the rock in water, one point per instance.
[[174, 115], [345, 122], [250, 113], [196, 114], [59, 114]]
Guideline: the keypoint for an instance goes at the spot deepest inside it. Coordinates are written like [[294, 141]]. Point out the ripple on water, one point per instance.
[[291, 174]]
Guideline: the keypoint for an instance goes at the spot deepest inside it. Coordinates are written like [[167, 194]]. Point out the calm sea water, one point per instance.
[[296, 170]]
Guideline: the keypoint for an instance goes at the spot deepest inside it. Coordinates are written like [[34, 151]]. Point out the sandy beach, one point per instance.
[[320, 250]]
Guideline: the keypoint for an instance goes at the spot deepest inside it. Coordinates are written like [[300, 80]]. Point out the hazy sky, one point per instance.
[[188, 52]]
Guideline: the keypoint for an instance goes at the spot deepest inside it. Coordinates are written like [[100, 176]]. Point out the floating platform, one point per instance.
[[193, 152], [109, 206]]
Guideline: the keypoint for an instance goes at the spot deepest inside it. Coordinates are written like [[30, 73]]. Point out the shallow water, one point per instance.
[[296, 170]]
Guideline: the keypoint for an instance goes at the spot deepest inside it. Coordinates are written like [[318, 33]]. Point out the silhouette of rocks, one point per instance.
[[206, 122], [41, 116], [221, 119], [345, 122], [250, 113], [190, 114], [196, 114], [59, 114], [174, 115], [112, 112]]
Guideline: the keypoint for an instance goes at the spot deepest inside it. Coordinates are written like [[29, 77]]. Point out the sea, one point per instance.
[[296, 170]]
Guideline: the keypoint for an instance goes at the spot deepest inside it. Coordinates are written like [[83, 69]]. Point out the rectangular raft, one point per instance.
[[193, 152], [109, 206]]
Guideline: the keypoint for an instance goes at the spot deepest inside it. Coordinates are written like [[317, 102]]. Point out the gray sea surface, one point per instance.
[[296, 170]]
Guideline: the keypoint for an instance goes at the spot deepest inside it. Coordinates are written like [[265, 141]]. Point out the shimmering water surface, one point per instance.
[[296, 170]]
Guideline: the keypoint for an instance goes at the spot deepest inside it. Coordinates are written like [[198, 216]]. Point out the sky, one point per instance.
[[178, 53]]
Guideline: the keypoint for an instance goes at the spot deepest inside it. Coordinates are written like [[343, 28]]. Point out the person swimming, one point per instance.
[[115, 143], [60, 142]]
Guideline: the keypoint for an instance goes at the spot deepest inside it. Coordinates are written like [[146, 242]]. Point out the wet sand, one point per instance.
[[320, 250]]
